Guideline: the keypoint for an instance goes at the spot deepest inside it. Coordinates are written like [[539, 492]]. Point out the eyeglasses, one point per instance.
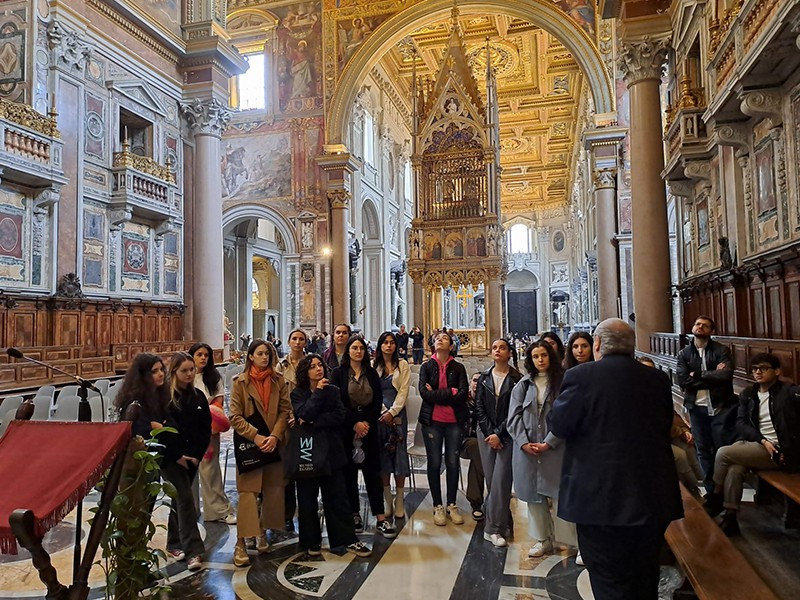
[[762, 368]]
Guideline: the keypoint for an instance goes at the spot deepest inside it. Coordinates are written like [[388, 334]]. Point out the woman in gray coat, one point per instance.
[[538, 454]]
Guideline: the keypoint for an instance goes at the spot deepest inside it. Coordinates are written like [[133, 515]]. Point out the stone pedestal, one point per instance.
[[642, 64]]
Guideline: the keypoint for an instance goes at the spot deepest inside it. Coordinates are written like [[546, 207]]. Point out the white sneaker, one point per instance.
[[579, 559], [498, 540], [230, 519], [455, 514], [438, 516], [540, 549]]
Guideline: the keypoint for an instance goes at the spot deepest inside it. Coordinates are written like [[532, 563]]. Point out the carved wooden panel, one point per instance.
[[22, 328], [137, 328]]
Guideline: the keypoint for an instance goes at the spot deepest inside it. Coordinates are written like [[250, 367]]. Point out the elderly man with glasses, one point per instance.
[[768, 424]]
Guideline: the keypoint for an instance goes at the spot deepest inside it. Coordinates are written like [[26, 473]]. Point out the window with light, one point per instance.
[[519, 239], [251, 87], [369, 138]]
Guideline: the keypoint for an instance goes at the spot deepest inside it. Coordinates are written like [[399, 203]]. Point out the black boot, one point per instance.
[[713, 503], [730, 524]]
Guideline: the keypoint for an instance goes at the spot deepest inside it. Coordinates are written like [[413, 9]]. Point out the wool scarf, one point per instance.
[[262, 380]]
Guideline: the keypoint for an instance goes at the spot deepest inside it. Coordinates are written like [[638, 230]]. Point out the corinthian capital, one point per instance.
[[643, 59], [604, 178], [206, 117], [338, 198]]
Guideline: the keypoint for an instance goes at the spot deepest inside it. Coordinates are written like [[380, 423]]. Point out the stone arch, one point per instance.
[[371, 223], [242, 212], [522, 279], [542, 13]]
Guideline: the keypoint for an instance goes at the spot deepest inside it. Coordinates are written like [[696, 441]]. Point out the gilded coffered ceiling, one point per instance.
[[540, 88]]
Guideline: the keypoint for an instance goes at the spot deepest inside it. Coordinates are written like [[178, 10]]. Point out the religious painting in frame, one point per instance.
[[766, 198], [703, 234], [299, 57], [11, 235], [166, 13]]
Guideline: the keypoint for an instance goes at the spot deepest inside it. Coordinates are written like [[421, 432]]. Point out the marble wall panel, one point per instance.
[[13, 51]]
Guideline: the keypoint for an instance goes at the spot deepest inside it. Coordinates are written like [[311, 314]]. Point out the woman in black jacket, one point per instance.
[[443, 416], [144, 383], [360, 388], [316, 402], [492, 397], [188, 413]]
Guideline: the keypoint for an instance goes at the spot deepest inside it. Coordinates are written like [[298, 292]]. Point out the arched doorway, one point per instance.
[[541, 13], [259, 256]]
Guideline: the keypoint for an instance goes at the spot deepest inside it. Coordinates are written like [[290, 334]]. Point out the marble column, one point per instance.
[[207, 119], [244, 286], [494, 308], [642, 63], [339, 167], [605, 201]]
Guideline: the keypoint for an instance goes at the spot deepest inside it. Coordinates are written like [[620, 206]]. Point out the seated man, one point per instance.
[[768, 425]]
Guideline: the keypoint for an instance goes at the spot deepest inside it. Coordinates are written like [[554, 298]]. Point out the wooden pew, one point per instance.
[[789, 485], [715, 568]]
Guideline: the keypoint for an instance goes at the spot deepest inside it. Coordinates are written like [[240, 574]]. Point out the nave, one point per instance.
[[424, 561]]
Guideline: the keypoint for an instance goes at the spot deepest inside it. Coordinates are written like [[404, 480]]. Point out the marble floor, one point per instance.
[[424, 561]]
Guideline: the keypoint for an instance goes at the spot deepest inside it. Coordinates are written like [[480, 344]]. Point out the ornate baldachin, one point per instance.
[[27, 116]]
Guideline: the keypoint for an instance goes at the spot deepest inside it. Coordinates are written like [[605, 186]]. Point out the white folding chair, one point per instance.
[[68, 390], [8, 416], [416, 450], [10, 403], [97, 408], [41, 408], [67, 409], [102, 385]]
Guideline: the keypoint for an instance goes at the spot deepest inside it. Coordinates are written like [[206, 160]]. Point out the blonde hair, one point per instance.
[[174, 364]]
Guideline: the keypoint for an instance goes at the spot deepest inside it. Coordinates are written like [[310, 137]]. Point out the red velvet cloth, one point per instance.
[[47, 466]]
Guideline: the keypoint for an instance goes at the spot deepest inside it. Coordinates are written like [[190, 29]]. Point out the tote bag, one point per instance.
[[248, 456], [308, 453]]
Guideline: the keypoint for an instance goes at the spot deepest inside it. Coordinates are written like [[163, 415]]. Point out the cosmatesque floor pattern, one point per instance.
[[424, 561]]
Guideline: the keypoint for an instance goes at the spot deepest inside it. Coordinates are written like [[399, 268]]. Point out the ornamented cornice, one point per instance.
[[699, 170], [144, 164], [69, 48], [643, 59], [765, 104], [681, 189], [26, 116], [732, 135], [46, 198], [604, 178], [209, 117], [338, 198]]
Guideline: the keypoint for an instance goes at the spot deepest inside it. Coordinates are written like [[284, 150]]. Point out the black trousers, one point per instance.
[[182, 530], [622, 561], [338, 517], [373, 483]]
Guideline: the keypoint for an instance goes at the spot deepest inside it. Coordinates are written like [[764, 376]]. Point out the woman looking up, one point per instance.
[[318, 404], [298, 341], [395, 375], [443, 416], [260, 388], [579, 349], [216, 505], [188, 412], [492, 397], [537, 453], [360, 389]]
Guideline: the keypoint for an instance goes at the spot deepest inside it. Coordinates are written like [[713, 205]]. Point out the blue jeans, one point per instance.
[[418, 354], [710, 434], [448, 435]]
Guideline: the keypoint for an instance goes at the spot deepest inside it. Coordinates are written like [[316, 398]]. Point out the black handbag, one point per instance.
[[308, 453], [249, 457]]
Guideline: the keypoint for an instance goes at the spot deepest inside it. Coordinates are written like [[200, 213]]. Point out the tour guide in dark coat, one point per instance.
[[618, 482]]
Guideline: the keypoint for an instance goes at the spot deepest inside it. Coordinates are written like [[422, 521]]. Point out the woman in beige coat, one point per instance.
[[260, 388]]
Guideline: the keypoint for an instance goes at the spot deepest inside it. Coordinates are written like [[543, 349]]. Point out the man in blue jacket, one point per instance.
[[618, 483]]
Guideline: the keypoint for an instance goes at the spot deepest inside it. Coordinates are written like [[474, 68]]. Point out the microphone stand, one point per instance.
[[84, 416]]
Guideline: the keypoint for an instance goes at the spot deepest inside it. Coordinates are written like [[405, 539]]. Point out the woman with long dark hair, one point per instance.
[[492, 397], [188, 412], [443, 416], [360, 389], [552, 338], [317, 403], [538, 454], [578, 350], [395, 376], [144, 383], [216, 505], [260, 388]]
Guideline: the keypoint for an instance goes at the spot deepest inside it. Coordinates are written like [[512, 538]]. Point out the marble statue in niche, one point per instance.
[[307, 235]]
